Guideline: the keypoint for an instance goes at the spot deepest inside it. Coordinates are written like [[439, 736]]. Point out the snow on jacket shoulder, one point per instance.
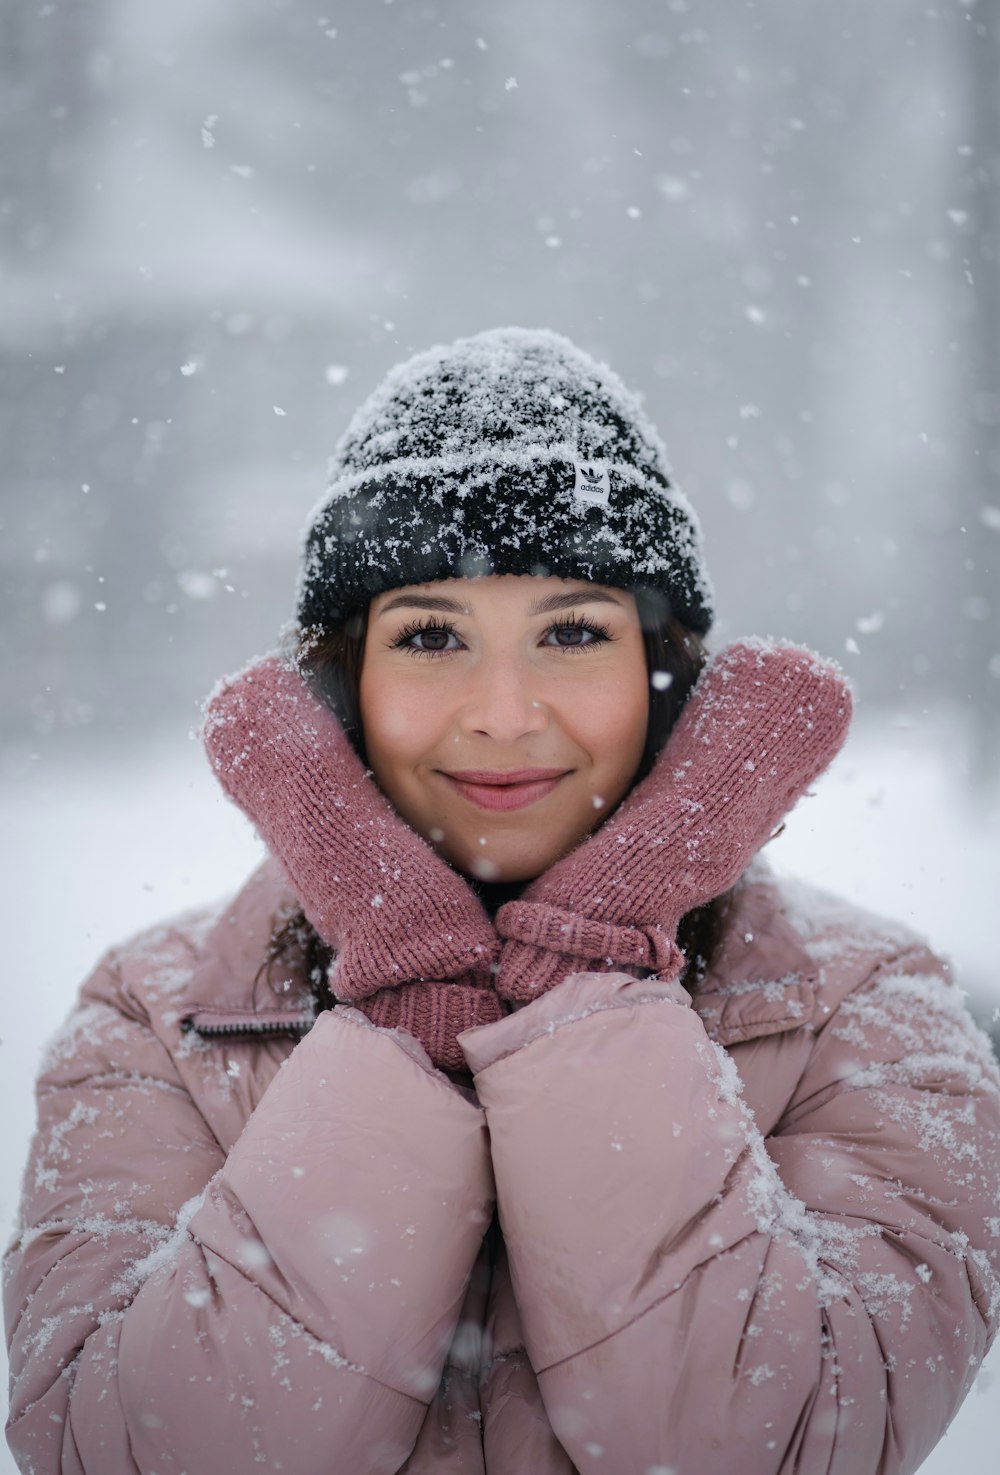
[[758, 1234]]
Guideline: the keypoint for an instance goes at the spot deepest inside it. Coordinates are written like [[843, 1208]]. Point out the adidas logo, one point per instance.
[[593, 485]]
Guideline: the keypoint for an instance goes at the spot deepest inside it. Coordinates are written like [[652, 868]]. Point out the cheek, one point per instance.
[[391, 725], [615, 719], [399, 722]]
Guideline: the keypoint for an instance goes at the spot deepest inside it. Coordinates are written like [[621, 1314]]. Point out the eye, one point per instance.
[[430, 639], [576, 633]]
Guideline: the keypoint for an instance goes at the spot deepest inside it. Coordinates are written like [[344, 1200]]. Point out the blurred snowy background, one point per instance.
[[221, 221]]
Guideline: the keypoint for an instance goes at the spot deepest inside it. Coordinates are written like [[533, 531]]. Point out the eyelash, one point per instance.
[[580, 622]]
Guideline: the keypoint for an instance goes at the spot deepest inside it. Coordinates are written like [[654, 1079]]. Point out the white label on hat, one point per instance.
[[593, 484]]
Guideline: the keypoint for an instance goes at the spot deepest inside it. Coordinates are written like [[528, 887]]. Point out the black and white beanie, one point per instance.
[[512, 452]]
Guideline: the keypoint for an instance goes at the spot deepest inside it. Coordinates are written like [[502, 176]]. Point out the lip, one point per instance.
[[512, 788]]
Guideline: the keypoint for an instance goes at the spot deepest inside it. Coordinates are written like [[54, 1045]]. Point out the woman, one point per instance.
[[513, 1118]]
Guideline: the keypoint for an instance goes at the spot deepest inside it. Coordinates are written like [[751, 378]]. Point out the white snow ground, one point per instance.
[[98, 849]]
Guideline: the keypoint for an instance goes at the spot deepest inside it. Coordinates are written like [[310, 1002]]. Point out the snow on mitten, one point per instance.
[[762, 723], [413, 945]]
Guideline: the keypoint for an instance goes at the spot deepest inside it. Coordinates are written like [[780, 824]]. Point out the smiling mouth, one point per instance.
[[514, 788]]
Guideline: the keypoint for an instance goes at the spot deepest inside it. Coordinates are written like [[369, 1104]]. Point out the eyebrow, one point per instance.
[[544, 606], [423, 601], [566, 601]]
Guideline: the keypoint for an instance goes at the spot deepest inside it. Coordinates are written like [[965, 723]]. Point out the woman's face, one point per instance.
[[504, 717]]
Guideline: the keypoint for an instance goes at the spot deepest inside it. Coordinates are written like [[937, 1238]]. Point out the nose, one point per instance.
[[505, 701]]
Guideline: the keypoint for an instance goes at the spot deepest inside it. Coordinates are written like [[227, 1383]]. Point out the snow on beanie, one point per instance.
[[511, 452]]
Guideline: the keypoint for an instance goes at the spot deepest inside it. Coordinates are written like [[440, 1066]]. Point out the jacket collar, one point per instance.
[[232, 989], [762, 981]]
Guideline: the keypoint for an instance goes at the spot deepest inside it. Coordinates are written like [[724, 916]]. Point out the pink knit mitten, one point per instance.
[[762, 723], [395, 913]]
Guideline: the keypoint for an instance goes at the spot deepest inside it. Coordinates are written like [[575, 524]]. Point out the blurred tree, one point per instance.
[[50, 56], [980, 492]]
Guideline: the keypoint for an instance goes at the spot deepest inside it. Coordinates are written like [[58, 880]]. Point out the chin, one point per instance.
[[522, 865]]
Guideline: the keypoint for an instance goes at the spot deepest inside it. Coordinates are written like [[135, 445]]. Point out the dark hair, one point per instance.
[[331, 659]]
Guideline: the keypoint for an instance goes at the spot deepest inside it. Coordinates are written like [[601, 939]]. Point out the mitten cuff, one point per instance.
[[573, 943], [467, 951], [435, 1013]]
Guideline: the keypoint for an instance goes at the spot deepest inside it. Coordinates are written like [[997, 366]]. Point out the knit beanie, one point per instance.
[[511, 452]]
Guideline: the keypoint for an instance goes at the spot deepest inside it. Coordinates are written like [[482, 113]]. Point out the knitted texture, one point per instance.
[[762, 723], [394, 912], [512, 452], [435, 1014]]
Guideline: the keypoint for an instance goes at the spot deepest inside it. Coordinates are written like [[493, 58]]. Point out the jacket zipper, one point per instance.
[[247, 1027]]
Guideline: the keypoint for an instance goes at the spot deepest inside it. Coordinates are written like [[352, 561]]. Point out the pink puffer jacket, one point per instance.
[[245, 1250]]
